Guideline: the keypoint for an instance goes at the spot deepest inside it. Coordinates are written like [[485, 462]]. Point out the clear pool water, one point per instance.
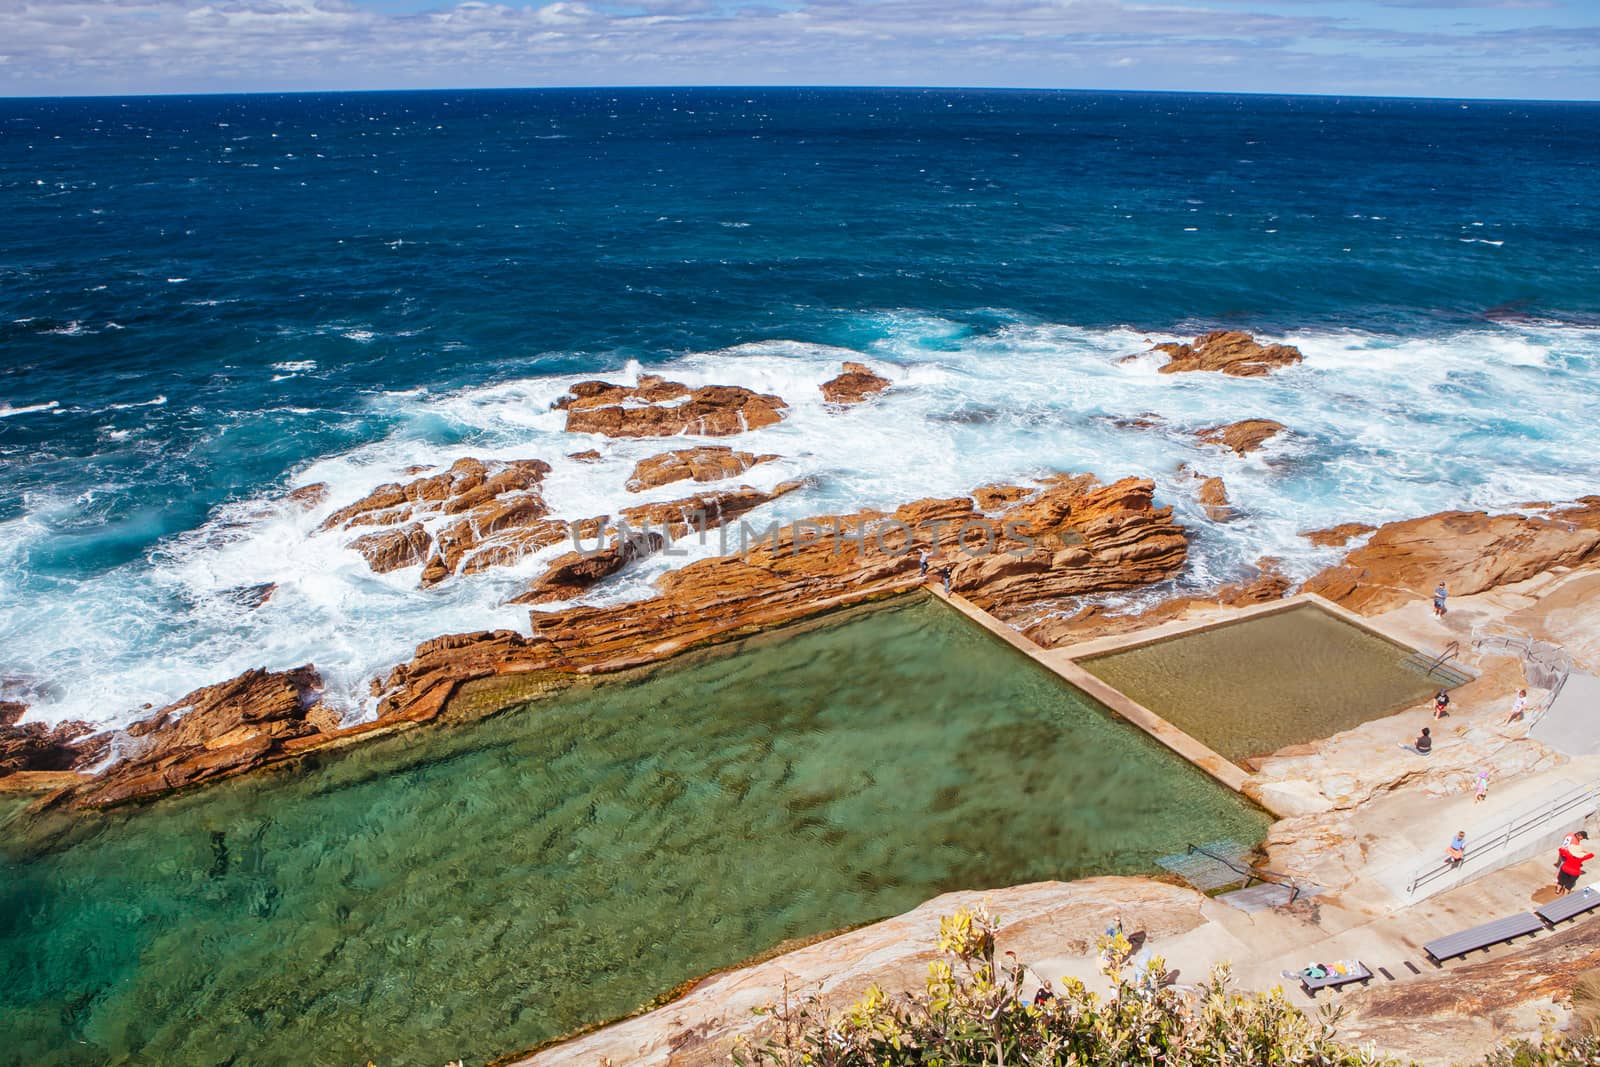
[[472, 890], [1252, 687]]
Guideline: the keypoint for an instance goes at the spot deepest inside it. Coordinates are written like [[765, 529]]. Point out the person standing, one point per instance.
[[922, 564], [1457, 852], [946, 574], [1439, 595], [1571, 865], [1483, 787]]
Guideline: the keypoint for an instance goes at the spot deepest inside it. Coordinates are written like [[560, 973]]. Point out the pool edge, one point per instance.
[[1059, 663]]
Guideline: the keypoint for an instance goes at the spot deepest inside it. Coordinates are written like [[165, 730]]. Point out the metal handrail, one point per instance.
[[1251, 874], [1484, 846], [1451, 650], [1554, 666]]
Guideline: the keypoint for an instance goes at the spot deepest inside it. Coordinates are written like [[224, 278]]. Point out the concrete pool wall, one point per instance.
[[1064, 663]]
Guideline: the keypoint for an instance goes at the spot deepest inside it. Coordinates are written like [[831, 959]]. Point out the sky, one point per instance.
[[1534, 49]]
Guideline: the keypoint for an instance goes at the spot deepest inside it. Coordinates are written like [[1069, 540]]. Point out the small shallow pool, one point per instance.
[[1252, 687], [468, 891]]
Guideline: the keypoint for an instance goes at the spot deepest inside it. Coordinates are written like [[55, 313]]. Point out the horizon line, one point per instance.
[[796, 86]]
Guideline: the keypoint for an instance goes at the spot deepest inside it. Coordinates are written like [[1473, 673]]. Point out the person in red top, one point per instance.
[[1571, 864]]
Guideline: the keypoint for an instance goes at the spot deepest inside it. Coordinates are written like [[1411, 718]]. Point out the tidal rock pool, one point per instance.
[[470, 890]]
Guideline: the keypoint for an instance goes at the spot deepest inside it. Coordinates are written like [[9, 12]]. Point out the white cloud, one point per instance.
[[84, 46]]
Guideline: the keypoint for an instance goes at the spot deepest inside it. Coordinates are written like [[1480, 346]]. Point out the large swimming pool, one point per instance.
[[471, 890]]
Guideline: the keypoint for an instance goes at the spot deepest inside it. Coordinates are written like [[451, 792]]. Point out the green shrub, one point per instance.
[[972, 1012]]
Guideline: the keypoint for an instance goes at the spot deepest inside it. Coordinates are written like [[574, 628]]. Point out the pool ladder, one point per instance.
[[1434, 666], [1250, 873]]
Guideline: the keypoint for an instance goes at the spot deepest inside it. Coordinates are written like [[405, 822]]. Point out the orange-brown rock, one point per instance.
[[588, 455], [1230, 352], [1066, 537], [1337, 536], [572, 574], [36, 746], [658, 408], [1244, 436], [1213, 496], [309, 496], [641, 531], [472, 507], [389, 550], [708, 463], [216, 730], [855, 383], [1469, 551]]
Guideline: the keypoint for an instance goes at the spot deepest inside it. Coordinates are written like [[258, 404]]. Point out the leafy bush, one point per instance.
[[973, 1012]]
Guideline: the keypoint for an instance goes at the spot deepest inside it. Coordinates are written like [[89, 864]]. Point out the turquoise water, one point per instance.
[[470, 891]]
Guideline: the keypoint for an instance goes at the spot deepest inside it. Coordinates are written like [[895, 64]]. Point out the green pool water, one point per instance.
[[468, 891], [1252, 687]]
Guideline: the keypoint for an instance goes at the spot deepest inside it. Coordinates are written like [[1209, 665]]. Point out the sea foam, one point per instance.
[[1380, 428]]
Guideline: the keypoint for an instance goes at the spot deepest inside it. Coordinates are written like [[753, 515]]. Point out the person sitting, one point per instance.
[[1441, 702], [1423, 744], [1519, 707], [1457, 852]]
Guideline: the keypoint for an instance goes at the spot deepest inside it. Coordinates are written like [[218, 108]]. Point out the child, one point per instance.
[[1441, 701], [1518, 707], [1483, 787]]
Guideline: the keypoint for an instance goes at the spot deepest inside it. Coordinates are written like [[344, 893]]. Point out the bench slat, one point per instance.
[[1563, 908], [1490, 933]]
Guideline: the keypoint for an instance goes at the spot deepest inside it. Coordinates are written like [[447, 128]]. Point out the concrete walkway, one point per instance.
[[1572, 725]]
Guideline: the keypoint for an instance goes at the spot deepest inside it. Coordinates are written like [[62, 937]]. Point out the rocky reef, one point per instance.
[[1244, 436], [474, 515], [1228, 352], [1069, 536], [656, 407], [707, 463], [856, 382]]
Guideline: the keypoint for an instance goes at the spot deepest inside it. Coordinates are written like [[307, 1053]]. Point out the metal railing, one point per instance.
[[1546, 666], [1252, 874], [1573, 804]]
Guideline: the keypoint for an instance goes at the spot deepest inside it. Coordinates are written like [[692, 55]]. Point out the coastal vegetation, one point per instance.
[[974, 1011]]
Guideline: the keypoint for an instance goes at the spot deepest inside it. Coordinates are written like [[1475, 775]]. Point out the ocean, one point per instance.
[[207, 301]]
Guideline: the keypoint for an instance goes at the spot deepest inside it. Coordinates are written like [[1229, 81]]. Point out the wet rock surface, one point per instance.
[[707, 463], [1231, 352], [656, 407], [1244, 436], [856, 382]]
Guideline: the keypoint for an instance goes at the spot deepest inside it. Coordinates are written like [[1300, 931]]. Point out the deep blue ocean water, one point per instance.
[[204, 301]]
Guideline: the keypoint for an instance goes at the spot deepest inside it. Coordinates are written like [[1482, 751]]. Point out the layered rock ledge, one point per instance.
[[1231, 352], [1244, 436], [707, 463], [656, 407]]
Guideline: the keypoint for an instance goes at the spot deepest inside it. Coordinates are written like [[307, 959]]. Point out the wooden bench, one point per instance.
[[1333, 979], [1493, 933], [1569, 906]]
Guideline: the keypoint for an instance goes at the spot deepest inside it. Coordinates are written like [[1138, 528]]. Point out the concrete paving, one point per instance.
[[1572, 725]]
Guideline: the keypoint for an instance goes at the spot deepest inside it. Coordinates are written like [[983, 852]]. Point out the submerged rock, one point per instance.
[[856, 382], [1244, 436], [1337, 536], [707, 463], [656, 407], [1230, 352]]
